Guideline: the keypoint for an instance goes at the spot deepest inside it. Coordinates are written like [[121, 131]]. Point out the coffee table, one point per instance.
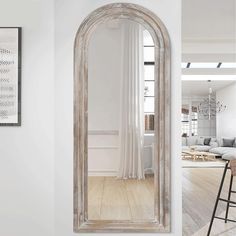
[[198, 154]]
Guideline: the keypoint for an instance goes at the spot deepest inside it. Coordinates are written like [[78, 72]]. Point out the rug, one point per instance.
[[199, 163]]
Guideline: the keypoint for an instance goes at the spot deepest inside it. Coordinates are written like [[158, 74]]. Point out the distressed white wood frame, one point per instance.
[[161, 221]]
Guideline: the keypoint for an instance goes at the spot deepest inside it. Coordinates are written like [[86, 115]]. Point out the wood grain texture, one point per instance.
[[115, 205], [95, 194], [141, 198], [153, 24], [220, 228], [200, 187], [110, 198]]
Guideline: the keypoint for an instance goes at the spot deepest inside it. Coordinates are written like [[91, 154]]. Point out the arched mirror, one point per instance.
[[122, 122]]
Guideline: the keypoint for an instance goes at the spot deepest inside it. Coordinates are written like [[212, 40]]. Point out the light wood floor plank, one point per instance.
[[141, 198], [219, 227], [110, 198], [95, 192], [115, 205], [200, 187]]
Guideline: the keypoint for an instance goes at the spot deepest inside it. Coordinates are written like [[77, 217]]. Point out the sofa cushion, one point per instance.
[[207, 141], [229, 156], [203, 148], [213, 139], [228, 142], [184, 141], [213, 144], [191, 140], [185, 148], [222, 150], [200, 141]]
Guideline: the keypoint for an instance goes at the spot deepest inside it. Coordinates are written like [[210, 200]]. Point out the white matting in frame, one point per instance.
[[10, 76]]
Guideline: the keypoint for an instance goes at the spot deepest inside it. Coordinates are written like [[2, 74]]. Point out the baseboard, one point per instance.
[[111, 172], [102, 173]]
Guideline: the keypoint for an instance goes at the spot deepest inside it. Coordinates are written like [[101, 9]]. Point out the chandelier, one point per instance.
[[209, 107]]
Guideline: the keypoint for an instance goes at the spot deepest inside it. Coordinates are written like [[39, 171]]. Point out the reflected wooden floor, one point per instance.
[[114, 199], [200, 186]]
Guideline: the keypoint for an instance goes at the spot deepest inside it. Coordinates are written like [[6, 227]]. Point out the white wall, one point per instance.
[[104, 76], [27, 152], [68, 18], [209, 46], [226, 120]]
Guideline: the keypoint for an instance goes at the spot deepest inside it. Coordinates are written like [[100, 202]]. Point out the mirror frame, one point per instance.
[[161, 221]]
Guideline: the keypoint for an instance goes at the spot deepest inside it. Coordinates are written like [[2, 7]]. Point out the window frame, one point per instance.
[[149, 63]]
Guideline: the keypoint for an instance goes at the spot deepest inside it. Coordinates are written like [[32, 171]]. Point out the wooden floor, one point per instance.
[[114, 199], [200, 186]]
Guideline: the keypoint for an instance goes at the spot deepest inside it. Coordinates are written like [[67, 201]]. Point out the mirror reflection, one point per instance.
[[121, 122]]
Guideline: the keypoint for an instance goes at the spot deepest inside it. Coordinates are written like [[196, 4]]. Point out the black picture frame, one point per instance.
[[7, 119]]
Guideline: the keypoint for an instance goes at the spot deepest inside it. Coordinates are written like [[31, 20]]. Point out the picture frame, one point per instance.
[[10, 76]]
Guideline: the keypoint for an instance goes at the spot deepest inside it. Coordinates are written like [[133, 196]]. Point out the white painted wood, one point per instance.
[[102, 173], [103, 147], [103, 132], [111, 147]]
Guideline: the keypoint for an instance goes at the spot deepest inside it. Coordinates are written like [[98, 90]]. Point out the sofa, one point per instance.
[[198, 143], [224, 147]]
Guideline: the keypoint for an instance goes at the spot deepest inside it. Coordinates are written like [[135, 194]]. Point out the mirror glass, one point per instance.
[[121, 113]]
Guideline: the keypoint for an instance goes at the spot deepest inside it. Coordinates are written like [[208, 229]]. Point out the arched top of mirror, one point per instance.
[[130, 11]]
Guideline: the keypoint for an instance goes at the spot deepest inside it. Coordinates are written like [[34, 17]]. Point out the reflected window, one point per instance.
[[189, 121], [185, 122], [149, 84], [194, 121]]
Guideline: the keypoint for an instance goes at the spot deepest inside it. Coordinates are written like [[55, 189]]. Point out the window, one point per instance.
[[194, 121], [189, 121], [149, 106], [185, 122]]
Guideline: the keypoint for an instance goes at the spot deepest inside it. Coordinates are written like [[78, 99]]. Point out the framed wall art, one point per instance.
[[10, 76]]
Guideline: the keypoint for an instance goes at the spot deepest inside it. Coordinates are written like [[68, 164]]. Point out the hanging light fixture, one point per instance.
[[209, 107]]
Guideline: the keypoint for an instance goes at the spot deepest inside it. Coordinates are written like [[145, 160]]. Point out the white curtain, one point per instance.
[[131, 131]]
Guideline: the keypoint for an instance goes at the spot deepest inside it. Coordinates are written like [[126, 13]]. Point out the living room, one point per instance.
[[61, 68], [208, 141], [207, 121], [208, 117]]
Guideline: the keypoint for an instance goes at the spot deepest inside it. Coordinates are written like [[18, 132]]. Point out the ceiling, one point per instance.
[[208, 35], [209, 19], [201, 88]]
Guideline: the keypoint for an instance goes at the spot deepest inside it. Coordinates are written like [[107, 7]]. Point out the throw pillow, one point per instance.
[[213, 144], [213, 139], [228, 142], [207, 141], [200, 141]]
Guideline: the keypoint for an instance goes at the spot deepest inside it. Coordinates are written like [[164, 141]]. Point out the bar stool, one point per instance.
[[230, 164]]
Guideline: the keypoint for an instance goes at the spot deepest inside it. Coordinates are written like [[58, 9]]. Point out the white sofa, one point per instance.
[[222, 150], [193, 142], [216, 146]]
